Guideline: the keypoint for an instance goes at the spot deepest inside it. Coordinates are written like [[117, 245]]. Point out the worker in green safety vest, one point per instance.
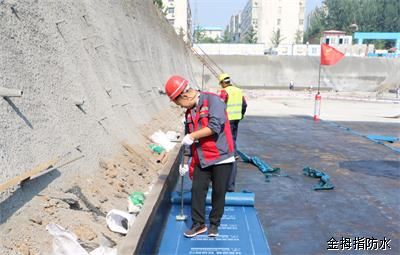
[[236, 108]]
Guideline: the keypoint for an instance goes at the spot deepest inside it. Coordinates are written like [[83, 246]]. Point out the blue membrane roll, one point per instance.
[[231, 198]]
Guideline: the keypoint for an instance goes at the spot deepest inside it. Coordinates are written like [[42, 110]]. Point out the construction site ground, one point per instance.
[[365, 202], [80, 203], [279, 129]]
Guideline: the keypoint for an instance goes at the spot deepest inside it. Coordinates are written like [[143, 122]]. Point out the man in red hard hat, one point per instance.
[[212, 149]]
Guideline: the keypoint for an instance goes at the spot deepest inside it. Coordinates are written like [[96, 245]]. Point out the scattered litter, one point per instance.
[[266, 169], [173, 136], [119, 221], [156, 148], [104, 250], [324, 183], [137, 198], [162, 158], [135, 202], [162, 139], [64, 241], [133, 208]]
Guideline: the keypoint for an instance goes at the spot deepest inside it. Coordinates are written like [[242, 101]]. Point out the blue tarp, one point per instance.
[[324, 183], [240, 231], [264, 167], [378, 139], [382, 138]]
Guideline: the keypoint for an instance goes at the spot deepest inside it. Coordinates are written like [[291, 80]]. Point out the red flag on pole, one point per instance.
[[330, 55]]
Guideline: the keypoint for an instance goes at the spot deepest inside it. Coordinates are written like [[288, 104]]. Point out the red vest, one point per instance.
[[211, 149]]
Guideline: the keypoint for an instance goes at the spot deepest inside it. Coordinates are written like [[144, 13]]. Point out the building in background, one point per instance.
[[233, 28], [179, 15], [273, 21], [249, 20], [215, 33], [334, 37], [208, 34]]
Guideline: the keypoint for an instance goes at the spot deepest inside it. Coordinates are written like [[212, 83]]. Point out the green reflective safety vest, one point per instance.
[[234, 104]]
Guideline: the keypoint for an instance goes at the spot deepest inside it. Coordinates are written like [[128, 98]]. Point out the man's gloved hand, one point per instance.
[[183, 169], [187, 140]]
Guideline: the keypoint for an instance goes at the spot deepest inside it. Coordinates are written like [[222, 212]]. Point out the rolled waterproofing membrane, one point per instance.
[[231, 198], [6, 92], [240, 231]]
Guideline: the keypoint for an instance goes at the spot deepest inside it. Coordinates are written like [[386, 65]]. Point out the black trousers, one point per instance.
[[234, 129], [218, 175]]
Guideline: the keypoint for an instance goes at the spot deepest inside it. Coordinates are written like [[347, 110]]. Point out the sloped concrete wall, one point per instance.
[[350, 74], [111, 55]]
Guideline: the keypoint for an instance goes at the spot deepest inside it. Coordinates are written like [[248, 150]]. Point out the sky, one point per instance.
[[218, 12]]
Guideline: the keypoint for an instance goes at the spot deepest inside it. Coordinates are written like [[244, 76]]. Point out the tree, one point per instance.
[[209, 40], [298, 37], [198, 35], [227, 38], [367, 15], [181, 33], [159, 4], [316, 25], [341, 14], [251, 36], [276, 38]]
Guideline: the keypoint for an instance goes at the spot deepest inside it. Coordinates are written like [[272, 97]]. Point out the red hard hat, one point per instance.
[[175, 85]]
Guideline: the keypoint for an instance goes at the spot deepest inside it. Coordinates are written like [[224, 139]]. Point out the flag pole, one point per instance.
[[319, 77], [329, 56], [317, 103]]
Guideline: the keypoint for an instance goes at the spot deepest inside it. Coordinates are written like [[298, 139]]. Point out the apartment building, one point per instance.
[[234, 28], [266, 17], [215, 33], [179, 15]]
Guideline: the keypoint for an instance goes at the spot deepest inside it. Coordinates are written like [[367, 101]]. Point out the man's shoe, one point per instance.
[[195, 230], [213, 231]]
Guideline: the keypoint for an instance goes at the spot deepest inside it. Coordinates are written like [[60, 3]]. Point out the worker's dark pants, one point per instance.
[[218, 175], [234, 129]]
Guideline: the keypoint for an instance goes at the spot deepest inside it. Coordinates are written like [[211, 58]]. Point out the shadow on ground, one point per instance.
[[384, 168], [25, 193]]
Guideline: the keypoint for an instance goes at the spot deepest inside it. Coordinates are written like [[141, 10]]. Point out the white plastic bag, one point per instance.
[[119, 221], [162, 139], [133, 208], [64, 241], [173, 136], [103, 250]]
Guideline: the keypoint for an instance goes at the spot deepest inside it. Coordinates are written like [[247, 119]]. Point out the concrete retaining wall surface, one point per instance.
[[113, 55], [350, 74]]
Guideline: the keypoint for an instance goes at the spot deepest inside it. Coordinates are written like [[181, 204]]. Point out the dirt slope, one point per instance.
[[90, 72]]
